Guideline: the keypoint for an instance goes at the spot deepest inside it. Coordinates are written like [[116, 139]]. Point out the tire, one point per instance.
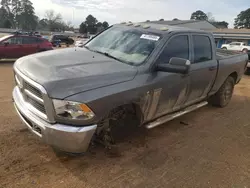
[[41, 50], [247, 71], [224, 48], [224, 95], [118, 125], [245, 50]]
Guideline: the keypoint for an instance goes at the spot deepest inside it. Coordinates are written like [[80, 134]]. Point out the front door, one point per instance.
[[203, 69], [12, 47], [171, 88], [29, 45]]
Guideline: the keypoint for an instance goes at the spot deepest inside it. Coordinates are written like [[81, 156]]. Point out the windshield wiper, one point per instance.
[[109, 55], [87, 47]]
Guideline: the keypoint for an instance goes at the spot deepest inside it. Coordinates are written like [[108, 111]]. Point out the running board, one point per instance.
[[170, 117]]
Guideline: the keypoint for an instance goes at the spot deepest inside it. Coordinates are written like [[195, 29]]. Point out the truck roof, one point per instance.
[[159, 28]]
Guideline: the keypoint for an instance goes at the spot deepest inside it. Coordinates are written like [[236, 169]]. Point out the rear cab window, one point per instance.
[[202, 48]]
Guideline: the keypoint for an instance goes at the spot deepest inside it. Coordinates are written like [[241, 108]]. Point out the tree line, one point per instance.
[[20, 14], [200, 15], [242, 21]]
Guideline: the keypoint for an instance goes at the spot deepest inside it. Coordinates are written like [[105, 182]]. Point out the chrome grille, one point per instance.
[[36, 104], [33, 90], [32, 95]]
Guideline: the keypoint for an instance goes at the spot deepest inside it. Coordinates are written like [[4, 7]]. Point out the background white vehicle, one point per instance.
[[80, 43], [236, 46]]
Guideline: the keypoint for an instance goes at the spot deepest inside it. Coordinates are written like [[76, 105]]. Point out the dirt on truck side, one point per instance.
[[206, 148]]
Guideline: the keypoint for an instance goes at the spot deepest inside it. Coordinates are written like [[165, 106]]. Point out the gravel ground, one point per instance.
[[206, 148]]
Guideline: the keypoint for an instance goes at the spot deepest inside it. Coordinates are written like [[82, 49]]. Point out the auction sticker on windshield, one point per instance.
[[150, 37]]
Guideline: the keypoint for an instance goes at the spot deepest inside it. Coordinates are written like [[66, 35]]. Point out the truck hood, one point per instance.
[[70, 71]]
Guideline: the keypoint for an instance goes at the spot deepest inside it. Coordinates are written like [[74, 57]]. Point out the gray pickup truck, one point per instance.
[[127, 76]]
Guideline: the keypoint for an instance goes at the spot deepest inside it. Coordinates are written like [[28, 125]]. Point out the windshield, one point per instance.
[[128, 45]]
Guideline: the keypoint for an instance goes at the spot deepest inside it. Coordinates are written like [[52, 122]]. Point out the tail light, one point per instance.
[[49, 44]]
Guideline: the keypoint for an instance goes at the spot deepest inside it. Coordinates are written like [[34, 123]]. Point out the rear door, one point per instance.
[[12, 49], [203, 68], [30, 45]]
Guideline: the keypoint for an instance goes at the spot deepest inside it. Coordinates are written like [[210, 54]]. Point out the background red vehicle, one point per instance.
[[15, 46]]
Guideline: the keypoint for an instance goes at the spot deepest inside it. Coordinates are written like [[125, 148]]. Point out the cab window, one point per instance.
[[202, 48], [178, 46], [29, 40]]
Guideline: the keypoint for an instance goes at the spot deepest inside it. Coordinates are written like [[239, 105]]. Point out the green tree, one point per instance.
[[83, 28], [243, 20], [6, 5], [4, 21], [91, 22], [198, 15], [20, 14], [6, 16], [105, 24], [210, 17], [91, 25], [43, 24], [53, 20], [26, 18], [7, 24]]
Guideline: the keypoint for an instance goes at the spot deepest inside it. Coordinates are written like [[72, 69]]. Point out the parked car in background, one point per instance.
[[57, 40], [236, 46], [80, 43], [125, 77], [15, 46]]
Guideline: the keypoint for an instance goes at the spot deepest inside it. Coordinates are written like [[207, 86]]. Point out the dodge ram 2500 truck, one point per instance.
[[142, 74]]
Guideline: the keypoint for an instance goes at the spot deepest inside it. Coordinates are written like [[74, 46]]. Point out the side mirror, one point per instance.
[[175, 65]]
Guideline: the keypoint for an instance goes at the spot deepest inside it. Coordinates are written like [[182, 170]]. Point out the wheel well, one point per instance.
[[132, 108], [120, 122], [234, 75]]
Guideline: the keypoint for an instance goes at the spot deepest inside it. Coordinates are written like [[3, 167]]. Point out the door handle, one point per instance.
[[213, 68]]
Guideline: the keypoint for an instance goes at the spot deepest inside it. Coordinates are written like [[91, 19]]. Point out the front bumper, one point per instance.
[[66, 138]]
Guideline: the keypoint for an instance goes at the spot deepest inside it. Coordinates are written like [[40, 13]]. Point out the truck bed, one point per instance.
[[225, 54], [229, 62]]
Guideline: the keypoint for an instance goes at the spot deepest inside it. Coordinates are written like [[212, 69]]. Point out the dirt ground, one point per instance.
[[206, 148]]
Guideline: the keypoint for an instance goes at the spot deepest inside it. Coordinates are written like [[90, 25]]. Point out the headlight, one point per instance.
[[72, 110]]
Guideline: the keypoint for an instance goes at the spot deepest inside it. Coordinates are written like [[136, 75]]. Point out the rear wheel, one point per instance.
[[245, 50], [224, 48], [224, 95]]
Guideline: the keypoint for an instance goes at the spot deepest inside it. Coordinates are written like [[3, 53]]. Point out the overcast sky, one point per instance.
[[115, 11]]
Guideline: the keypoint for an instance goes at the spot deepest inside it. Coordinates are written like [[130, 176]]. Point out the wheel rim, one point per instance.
[[228, 92]]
